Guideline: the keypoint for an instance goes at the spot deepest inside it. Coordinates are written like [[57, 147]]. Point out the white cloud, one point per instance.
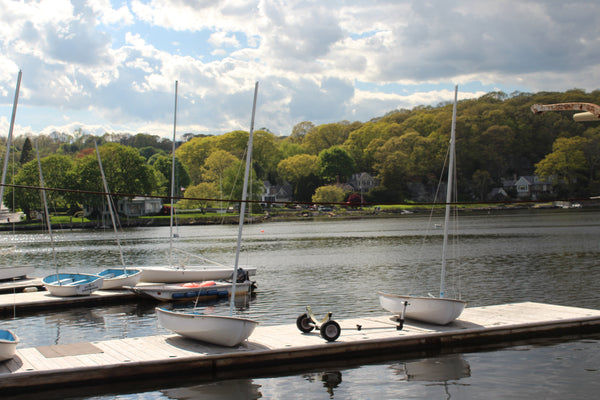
[[113, 67]]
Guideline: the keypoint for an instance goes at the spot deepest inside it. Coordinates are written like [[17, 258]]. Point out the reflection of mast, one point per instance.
[[591, 112]]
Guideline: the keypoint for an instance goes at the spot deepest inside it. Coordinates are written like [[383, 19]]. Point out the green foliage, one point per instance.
[[328, 194], [335, 164]]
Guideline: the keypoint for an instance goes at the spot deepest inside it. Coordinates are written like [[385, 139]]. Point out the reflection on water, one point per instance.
[[242, 389]]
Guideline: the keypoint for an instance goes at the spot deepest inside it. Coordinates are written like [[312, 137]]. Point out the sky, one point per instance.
[[99, 66]]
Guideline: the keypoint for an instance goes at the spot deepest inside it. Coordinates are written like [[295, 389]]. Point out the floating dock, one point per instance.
[[43, 300], [283, 348]]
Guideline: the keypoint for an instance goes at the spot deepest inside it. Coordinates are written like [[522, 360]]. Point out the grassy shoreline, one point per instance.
[[272, 215]]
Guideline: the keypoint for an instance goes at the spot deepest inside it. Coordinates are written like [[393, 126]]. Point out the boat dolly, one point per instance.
[[330, 330]]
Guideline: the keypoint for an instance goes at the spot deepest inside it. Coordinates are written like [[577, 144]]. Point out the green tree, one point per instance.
[[163, 164], [58, 173], [302, 171], [198, 196], [567, 162], [27, 152], [325, 136], [335, 164], [125, 170], [328, 194]]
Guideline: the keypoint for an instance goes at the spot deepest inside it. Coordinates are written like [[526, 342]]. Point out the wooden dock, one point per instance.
[[283, 348], [43, 300]]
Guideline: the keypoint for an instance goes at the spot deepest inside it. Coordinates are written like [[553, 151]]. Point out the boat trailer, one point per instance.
[[330, 330]]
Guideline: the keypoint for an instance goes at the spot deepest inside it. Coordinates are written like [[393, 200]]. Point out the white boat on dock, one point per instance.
[[195, 273], [221, 330], [8, 344], [434, 310], [66, 285]]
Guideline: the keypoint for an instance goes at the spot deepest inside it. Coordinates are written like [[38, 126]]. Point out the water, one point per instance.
[[544, 256]]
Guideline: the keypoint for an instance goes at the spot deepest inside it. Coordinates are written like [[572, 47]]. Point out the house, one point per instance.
[[136, 207], [529, 186], [362, 182], [139, 206], [278, 193]]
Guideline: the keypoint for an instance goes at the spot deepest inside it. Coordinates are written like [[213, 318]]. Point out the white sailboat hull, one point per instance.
[[67, 285], [220, 330], [433, 310], [192, 291], [196, 273], [119, 278], [8, 344]]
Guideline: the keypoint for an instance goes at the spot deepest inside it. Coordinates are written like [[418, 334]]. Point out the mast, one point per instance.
[[451, 169], [46, 212], [173, 179], [10, 134], [110, 207], [243, 205]]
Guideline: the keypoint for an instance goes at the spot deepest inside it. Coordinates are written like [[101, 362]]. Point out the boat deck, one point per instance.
[[280, 348]]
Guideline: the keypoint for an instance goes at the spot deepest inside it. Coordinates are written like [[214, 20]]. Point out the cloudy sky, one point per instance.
[[111, 66]]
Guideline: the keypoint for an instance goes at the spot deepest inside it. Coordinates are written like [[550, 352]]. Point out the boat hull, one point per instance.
[[220, 330], [192, 291], [8, 344], [196, 273], [67, 285], [433, 310], [119, 278]]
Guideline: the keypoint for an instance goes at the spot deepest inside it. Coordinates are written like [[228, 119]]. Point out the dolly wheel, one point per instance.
[[330, 331], [304, 323]]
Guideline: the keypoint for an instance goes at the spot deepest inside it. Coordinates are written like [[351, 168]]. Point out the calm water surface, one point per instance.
[[544, 256]]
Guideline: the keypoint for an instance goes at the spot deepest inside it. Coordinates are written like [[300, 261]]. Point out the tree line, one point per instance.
[[497, 137]]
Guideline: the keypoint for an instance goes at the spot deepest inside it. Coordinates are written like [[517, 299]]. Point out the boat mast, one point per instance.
[[173, 179], [10, 134], [243, 205], [110, 207], [451, 168], [46, 212]]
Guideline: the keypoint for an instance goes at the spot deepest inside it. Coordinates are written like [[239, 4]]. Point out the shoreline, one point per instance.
[[281, 216]]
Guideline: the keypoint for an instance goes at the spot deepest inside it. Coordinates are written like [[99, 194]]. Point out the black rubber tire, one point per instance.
[[330, 331], [304, 323]]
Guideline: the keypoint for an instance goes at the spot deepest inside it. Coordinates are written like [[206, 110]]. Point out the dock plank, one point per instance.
[[283, 346]]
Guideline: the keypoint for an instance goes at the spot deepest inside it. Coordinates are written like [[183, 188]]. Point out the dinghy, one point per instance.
[[8, 344], [221, 330], [433, 310]]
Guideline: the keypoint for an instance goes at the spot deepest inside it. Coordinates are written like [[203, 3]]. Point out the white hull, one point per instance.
[[17, 272], [196, 273], [224, 331], [433, 310], [192, 290], [8, 344], [118, 278], [72, 284]]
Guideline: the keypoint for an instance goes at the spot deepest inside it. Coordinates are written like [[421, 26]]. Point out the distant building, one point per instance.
[[136, 207], [529, 186], [279, 193], [362, 182]]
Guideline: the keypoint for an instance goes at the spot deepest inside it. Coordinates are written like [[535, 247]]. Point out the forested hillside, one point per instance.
[[497, 137]]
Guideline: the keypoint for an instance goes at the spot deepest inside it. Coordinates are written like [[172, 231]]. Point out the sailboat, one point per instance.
[[8, 344], [65, 284], [115, 278], [221, 330], [13, 271], [433, 310], [185, 273]]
